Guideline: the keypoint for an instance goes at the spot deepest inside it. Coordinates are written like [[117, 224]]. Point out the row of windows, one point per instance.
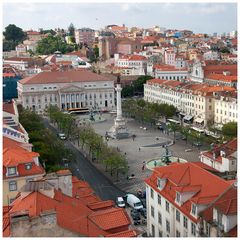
[[13, 184], [185, 224], [45, 88], [230, 114], [171, 77]]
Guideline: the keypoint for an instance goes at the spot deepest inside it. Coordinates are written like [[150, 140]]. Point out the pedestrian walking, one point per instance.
[[155, 163], [139, 149], [143, 167]]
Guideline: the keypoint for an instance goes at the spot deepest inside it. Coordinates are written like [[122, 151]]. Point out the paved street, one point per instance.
[[136, 154], [84, 170]]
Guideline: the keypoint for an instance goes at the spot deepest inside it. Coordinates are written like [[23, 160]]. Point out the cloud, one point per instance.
[[212, 8], [125, 7]]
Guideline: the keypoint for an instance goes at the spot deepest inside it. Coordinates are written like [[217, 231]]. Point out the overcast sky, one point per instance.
[[198, 17]]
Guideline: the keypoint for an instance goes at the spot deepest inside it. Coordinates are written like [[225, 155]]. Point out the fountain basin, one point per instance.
[[160, 162]]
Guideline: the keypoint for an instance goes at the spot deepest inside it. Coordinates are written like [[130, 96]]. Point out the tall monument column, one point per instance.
[[119, 102], [119, 129]]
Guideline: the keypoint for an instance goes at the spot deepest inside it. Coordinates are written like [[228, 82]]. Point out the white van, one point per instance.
[[134, 202]]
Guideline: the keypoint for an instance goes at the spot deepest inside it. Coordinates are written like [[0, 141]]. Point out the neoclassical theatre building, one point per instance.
[[69, 89]]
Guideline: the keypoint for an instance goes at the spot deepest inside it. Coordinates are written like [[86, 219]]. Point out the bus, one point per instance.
[[198, 129], [170, 120], [78, 110]]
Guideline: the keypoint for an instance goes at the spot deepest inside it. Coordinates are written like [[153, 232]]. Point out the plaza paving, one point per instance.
[[136, 154]]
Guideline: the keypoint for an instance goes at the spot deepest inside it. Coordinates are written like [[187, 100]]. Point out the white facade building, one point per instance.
[[210, 55], [226, 110], [196, 100], [169, 57], [168, 72], [223, 158], [134, 64], [70, 89], [220, 218], [176, 195]]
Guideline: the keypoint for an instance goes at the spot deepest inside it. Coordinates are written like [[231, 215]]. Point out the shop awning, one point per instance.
[[188, 117], [199, 120]]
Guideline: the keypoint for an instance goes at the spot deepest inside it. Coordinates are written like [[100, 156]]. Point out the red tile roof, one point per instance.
[[101, 205], [33, 33], [6, 221], [229, 148], [14, 157], [191, 177], [219, 69], [137, 58], [8, 107], [205, 166], [110, 218], [64, 77], [226, 203], [168, 68], [222, 77], [9, 74], [74, 214]]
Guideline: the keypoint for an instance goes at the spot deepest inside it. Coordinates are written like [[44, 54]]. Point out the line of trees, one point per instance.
[[50, 148], [137, 87], [146, 112], [89, 141]]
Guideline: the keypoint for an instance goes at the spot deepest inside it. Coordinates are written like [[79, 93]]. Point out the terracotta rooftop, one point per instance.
[[8, 107], [170, 68], [222, 77], [110, 218], [219, 69], [188, 177], [14, 157], [64, 77], [74, 214]]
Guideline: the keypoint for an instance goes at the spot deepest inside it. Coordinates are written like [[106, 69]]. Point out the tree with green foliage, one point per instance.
[[50, 31], [127, 91], [51, 44], [185, 131], [50, 148], [14, 33], [174, 128], [9, 45], [71, 30], [230, 129], [136, 87]]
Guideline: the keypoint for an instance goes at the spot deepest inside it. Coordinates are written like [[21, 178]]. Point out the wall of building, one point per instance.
[[225, 111], [21, 181], [170, 216], [88, 94], [43, 226]]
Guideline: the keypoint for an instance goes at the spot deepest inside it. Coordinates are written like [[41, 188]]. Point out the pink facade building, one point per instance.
[[85, 36]]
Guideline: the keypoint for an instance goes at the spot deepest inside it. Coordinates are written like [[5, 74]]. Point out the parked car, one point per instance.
[[135, 214], [133, 201], [120, 202], [62, 136]]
